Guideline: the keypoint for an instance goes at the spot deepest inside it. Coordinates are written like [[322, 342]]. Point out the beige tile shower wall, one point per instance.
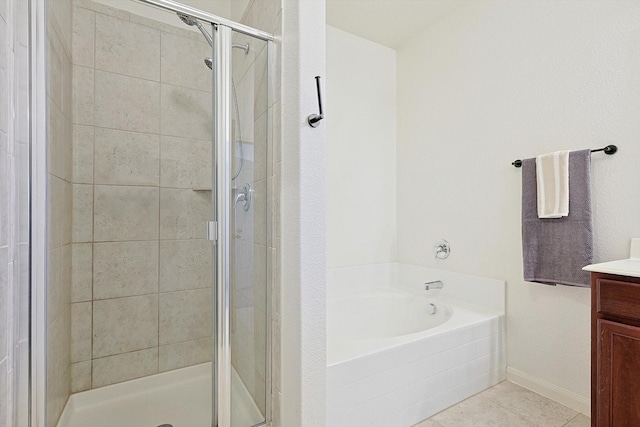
[[256, 308], [142, 272], [59, 200]]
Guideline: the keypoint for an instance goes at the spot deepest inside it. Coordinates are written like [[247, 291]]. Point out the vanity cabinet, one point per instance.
[[615, 350]]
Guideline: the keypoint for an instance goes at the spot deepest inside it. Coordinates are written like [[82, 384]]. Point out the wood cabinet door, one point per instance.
[[618, 374]]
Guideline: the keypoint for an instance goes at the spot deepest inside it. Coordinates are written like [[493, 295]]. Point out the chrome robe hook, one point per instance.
[[313, 119]]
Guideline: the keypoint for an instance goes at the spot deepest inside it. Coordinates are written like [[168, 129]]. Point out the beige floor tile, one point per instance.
[[427, 423], [580, 421], [527, 404], [478, 411], [499, 405]]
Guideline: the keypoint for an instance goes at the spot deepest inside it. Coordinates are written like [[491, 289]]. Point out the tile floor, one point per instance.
[[507, 405]]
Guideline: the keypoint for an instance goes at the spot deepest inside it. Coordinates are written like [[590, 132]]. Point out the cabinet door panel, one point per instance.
[[618, 374]]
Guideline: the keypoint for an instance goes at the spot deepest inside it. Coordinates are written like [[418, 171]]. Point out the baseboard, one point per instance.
[[553, 392]]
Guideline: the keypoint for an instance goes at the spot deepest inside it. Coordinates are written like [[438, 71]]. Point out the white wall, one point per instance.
[[361, 150], [501, 80], [238, 9], [302, 219]]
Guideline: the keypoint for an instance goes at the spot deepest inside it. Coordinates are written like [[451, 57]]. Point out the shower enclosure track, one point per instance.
[[216, 20]]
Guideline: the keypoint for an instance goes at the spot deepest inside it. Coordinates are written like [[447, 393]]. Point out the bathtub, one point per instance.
[[398, 354]]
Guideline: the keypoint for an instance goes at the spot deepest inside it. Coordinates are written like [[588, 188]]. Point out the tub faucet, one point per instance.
[[436, 284]]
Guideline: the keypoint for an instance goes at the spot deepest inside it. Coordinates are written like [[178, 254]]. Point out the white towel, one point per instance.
[[552, 175]]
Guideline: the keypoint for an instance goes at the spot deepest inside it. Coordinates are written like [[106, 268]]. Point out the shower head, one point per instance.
[[245, 47], [189, 20]]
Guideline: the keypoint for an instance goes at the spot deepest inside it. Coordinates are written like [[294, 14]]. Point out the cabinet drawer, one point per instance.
[[618, 298]]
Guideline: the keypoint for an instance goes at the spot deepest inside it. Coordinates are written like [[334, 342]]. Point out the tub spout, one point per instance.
[[436, 284]]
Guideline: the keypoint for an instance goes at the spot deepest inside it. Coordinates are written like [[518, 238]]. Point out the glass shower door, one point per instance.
[[241, 385]]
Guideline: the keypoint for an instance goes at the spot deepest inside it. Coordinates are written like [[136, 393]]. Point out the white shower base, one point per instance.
[[181, 398]]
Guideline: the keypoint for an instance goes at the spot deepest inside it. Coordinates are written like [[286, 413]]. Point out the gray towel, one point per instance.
[[555, 250]]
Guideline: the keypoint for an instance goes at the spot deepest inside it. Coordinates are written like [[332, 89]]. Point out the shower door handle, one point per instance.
[[313, 119], [212, 230]]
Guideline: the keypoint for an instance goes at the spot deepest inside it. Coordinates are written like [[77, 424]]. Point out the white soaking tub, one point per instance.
[[398, 354]]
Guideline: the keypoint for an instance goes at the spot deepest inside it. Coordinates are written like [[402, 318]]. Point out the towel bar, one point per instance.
[[609, 149]]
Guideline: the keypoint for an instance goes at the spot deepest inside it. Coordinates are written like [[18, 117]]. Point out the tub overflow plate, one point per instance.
[[442, 249]]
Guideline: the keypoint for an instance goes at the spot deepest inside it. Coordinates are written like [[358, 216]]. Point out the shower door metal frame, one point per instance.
[[224, 208], [38, 268], [222, 30], [177, 7], [221, 196]]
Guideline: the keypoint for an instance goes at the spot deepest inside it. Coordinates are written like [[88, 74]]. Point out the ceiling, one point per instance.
[[388, 22]]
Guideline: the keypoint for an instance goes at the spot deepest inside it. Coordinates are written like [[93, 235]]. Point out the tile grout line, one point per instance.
[[159, 202], [93, 190], [572, 419], [160, 134], [158, 82]]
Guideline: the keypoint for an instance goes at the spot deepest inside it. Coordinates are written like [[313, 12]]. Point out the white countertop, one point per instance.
[[624, 267]]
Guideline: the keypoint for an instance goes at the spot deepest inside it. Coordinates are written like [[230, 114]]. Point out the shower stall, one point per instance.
[[158, 242]]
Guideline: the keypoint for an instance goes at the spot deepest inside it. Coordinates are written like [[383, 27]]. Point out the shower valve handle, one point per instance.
[[313, 119]]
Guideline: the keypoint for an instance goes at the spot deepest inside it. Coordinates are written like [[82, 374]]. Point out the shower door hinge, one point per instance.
[[212, 230]]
